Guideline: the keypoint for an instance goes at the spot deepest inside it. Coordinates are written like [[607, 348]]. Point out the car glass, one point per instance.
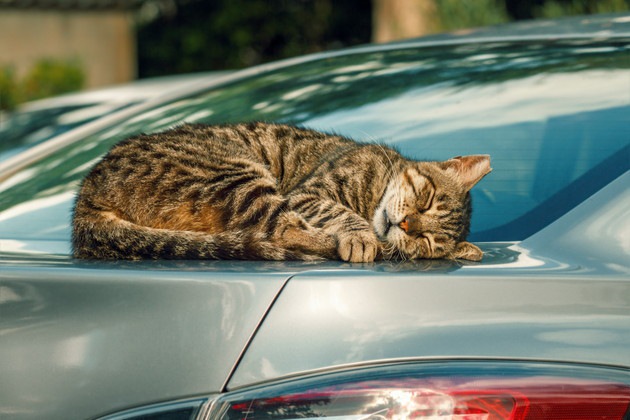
[[553, 116], [23, 129]]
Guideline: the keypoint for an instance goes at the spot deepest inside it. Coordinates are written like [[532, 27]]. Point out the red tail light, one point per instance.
[[451, 391]]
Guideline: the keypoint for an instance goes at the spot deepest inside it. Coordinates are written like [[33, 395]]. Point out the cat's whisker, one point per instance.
[[375, 141], [389, 171]]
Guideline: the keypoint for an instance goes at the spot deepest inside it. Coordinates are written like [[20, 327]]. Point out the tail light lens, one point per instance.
[[449, 391]]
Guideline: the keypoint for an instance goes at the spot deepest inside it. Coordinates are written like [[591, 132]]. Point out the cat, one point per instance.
[[272, 192]]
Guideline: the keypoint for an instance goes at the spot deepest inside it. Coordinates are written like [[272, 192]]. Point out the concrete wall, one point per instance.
[[102, 41]]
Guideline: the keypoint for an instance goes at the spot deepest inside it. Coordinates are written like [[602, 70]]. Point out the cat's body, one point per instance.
[[275, 192]]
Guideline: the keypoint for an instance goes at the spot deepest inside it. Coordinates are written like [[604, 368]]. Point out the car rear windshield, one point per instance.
[[554, 116]]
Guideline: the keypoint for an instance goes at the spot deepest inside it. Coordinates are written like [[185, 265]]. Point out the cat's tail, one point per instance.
[[103, 235]]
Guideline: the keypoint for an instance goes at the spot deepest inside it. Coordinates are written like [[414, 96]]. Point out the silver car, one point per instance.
[[540, 329]]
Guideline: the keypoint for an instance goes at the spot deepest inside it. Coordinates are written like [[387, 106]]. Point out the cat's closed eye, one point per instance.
[[427, 202]]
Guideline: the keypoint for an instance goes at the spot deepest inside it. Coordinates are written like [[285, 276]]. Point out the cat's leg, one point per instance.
[[301, 239], [355, 240]]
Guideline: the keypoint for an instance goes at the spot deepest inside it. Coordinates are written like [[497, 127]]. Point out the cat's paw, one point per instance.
[[467, 251], [358, 246]]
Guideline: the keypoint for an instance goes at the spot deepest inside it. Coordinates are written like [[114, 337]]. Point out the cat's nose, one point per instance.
[[404, 224]]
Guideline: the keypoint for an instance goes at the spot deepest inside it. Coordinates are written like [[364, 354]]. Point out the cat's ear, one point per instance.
[[467, 251], [469, 169]]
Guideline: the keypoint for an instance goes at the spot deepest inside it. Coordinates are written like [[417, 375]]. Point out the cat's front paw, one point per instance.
[[358, 246]]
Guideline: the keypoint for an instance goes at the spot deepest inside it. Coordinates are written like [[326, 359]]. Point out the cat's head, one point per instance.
[[425, 210]]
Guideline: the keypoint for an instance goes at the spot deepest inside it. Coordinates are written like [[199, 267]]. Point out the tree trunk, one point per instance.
[[398, 19]]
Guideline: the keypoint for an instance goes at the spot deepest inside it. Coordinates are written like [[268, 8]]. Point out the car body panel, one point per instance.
[[332, 319], [518, 303], [596, 234], [81, 339]]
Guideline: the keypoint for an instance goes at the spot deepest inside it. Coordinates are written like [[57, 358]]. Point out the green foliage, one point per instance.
[[52, 77], [559, 8], [227, 34], [8, 89], [459, 14], [48, 77]]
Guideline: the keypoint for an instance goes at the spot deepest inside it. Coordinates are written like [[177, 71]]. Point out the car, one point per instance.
[[539, 329], [37, 121]]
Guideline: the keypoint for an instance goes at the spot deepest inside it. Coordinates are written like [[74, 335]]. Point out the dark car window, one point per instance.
[[554, 116]]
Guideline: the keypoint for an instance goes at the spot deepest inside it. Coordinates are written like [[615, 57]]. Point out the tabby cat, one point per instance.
[[272, 192]]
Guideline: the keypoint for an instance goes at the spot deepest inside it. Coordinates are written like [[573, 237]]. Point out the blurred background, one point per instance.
[[48, 47]]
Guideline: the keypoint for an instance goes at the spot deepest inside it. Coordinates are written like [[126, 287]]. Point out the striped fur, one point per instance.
[[273, 192]]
